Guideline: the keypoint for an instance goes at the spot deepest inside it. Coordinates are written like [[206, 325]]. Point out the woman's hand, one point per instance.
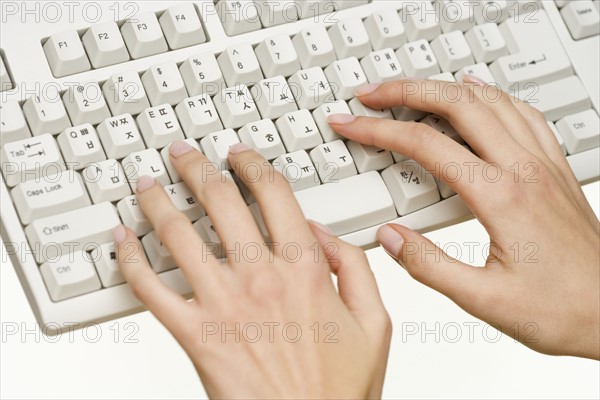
[[269, 322], [540, 284]]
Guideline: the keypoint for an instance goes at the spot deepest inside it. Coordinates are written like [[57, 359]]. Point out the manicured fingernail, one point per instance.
[[341, 119], [474, 79], [178, 149], [322, 228], [144, 183], [391, 240], [120, 234], [238, 148], [367, 89]]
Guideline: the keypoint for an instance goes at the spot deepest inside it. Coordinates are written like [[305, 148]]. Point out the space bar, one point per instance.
[[350, 204]]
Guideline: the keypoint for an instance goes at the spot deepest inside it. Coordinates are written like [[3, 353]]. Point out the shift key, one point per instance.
[[85, 228]]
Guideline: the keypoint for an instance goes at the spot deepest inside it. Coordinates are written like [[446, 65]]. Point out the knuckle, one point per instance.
[[265, 286]]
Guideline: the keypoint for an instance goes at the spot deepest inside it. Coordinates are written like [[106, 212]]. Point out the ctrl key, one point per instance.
[[70, 275]]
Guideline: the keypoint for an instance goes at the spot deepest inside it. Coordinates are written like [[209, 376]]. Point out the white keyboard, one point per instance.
[[93, 96]]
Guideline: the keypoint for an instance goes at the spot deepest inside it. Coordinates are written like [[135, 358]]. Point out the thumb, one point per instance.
[[430, 265]]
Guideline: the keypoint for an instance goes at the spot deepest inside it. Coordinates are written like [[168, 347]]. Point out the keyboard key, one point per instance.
[[263, 137], [13, 126], [80, 229], [369, 158], [442, 126], [314, 47], [52, 195], [452, 51], [159, 126], [349, 205], [238, 16], [420, 21], [358, 108], [582, 18], [311, 88], [491, 11], [69, 276], [106, 181], [454, 15], [418, 59], [299, 131], [333, 161], [143, 35], [125, 93], [480, 70], [104, 45], [487, 42], [85, 104], [444, 76], [273, 97], [65, 54], [202, 74], [107, 266], [385, 29], [345, 76], [558, 136], [166, 157], [45, 116], [198, 116], [120, 136], [80, 146], [276, 12], [350, 38], [530, 68], [240, 65], [298, 169], [158, 255], [146, 162], [133, 217], [412, 187], [208, 234], [181, 26], [277, 56], [164, 84], [236, 106], [320, 115], [382, 66], [31, 158], [580, 131], [184, 201], [216, 147]]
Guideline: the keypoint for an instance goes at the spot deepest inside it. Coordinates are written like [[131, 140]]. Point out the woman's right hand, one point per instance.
[[541, 282]]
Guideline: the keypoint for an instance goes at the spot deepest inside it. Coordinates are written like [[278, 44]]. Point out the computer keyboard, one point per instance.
[[94, 100]]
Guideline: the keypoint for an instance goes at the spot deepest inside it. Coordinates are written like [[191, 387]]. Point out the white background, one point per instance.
[[155, 367]]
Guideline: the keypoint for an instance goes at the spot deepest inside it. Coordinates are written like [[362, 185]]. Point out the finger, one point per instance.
[[282, 215], [221, 199], [169, 307], [175, 231], [457, 104]]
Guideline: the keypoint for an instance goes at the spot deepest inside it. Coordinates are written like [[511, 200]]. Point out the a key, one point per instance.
[[70, 275], [333, 161], [106, 181], [320, 115], [580, 131], [442, 126], [181, 26], [358, 108], [369, 158], [202, 74], [491, 11], [311, 88], [263, 137], [558, 136], [45, 116], [60, 234], [216, 147], [299, 131], [298, 169], [418, 59], [208, 234], [454, 15], [385, 29], [411, 187], [236, 106], [444, 76], [582, 18], [104, 45], [164, 84], [184, 201], [166, 157], [85, 104], [345, 76], [382, 66], [13, 126], [198, 116], [487, 42], [349, 205], [480, 70], [420, 21], [238, 16], [407, 114], [143, 35], [105, 260], [65, 54], [277, 56], [52, 195], [276, 12], [146, 162], [350, 38], [133, 217], [31, 158], [158, 255], [452, 51], [314, 47], [240, 65], [120, 136], [5, 82], [274, 97], [80, 146], [125, 94], [159, 126]]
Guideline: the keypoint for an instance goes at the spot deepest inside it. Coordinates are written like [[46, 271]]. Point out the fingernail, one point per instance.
[[391, 240], [178, 149], [144, 183], [120, 234], [321, 227], [367, 89], [341, 119], [238, 148], [474, 79]]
